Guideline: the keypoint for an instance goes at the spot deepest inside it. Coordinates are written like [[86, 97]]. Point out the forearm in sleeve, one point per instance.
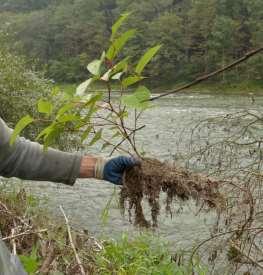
[[27, 160]]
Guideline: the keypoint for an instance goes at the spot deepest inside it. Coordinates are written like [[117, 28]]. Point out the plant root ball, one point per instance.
[[153, 177]]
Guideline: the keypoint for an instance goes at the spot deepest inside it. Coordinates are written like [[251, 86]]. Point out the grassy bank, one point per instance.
[[241, 88], [43, 244], [231, 88]]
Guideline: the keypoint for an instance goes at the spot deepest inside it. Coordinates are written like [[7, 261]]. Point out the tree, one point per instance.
[[197, 35], [167, 30]]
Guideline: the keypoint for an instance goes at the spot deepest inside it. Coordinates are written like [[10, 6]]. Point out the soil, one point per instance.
[[153, 177]]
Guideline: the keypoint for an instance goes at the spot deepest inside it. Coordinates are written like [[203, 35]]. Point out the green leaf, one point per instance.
[[131, 80], [45, 132], [105, 145], [55, 91], [94, 67], [65, 109], [96, 138], [93, 109], [52, 136], [102, 58], [124, 114], [106, 76], [95, 98], [30, 262], [118, 24], [146, 58], [117, 76], [44, 107], [139, 99], [82, 88], [68, 118], [30, 265], [117, 134], [119, 43], [86, 133], [117, 71], [121, 66], [20, 126]]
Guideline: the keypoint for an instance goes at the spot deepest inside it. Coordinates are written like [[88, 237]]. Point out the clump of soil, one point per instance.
[[153, 177]]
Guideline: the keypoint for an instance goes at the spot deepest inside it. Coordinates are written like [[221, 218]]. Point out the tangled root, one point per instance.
[[153, 177]]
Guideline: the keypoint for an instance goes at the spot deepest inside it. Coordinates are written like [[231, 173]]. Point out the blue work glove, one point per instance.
[[112, 169]]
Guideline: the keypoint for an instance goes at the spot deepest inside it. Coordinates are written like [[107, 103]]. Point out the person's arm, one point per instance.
[[27, 160]]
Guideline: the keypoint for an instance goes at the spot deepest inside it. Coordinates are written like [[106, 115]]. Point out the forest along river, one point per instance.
[[84, 203]]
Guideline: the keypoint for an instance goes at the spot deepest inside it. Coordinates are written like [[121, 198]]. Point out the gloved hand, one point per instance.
[[112, 169]]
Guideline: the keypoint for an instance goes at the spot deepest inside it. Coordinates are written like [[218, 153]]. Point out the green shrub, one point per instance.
[[19, 85]]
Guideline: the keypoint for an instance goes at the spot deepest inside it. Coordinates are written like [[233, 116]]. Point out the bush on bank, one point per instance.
[[20, 86]]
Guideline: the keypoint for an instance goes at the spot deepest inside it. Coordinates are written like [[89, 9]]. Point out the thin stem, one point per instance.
[[72, 243]]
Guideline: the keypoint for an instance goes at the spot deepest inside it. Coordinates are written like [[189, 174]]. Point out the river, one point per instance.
[[84, 203]]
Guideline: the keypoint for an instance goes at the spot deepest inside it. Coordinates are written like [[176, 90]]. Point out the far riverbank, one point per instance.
[[242, 88]]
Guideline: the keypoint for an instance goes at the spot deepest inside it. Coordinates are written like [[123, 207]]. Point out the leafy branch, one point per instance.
[[92, 115]]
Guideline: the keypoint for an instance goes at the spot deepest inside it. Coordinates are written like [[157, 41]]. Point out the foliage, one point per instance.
[[20, 86], [30, 263], [142, 255], [83, 113], [89, 114], [197, 36]]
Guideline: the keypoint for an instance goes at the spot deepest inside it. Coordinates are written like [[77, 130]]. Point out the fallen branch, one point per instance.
[[206, 77], [82, 271], [13, 241], [45, 268], [23, 234]]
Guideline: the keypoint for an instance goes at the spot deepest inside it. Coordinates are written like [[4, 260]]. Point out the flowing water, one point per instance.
[[84, 203]]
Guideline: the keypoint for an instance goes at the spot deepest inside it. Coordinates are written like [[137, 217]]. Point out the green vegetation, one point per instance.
[[83, 113], [241, 88], [61, 38], [197, 36], [144, 254], [35, 227], [20, 86]]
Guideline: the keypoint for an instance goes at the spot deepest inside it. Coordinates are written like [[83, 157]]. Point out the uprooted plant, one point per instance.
[[155, 177], [113, 120]]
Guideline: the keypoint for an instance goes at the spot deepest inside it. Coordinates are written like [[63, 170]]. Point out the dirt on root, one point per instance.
[[153, 177]]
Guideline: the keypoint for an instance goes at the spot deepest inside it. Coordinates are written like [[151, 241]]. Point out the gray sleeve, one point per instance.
[[9, 263], [27, 160]]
